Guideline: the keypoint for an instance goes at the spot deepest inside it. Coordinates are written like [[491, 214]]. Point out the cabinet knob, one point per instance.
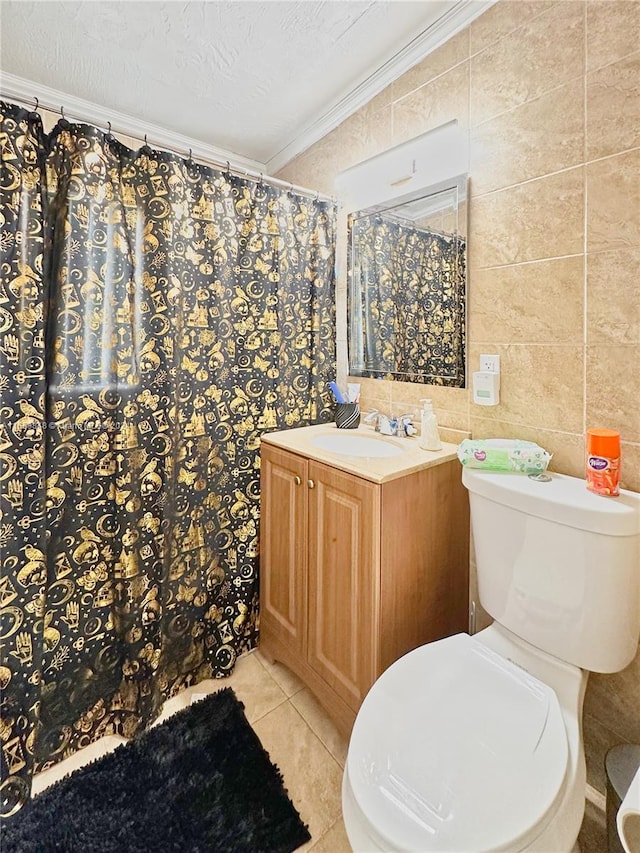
[[311, 484], [297, 480]]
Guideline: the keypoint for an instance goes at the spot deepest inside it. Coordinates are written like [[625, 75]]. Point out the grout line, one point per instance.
[[612, 62], [263, 716], [511, 32], [582, 165], [610, 156], [527, 181], [530, 100], [427, 82], [561, 432], [610, 250], [292, 790], [594, 796], [317, 733], [316, 736], [527, 426], [585, 201], [324, 834], [267, 668], [547, 344], [620, 736]]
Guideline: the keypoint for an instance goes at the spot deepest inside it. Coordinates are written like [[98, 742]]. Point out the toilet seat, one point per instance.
[[455, 748]]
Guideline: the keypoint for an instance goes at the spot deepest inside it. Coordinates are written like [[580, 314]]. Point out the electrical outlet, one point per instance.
[[490, 363]]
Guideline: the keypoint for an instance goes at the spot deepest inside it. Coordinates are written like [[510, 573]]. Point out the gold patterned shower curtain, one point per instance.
[[156, 316]]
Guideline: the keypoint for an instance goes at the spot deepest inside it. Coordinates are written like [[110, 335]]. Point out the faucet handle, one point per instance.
[[405, 425], [385, 425], [371, 416]]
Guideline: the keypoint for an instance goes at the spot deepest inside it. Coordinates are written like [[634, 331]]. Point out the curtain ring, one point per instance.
[[62, 112], [145, 139], [190, 152], [228, 169], [37, 103], [108, 128], [260, 181]]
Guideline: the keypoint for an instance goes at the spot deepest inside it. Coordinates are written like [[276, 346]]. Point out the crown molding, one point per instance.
[[26, 91], [452, 22], [79, 109]]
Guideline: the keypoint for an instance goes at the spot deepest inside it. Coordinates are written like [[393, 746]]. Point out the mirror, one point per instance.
[[407, 289]]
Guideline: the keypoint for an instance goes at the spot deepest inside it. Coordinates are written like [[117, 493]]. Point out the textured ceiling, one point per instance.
[[245, 76]]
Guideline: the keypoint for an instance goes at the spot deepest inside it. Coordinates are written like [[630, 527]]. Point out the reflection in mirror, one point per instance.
[[407, 289]]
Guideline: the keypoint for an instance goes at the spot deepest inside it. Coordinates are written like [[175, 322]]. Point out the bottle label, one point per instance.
[[603, 475], [598, 463]]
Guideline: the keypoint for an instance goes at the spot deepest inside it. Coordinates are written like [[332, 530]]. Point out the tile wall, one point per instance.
[[550, 95]]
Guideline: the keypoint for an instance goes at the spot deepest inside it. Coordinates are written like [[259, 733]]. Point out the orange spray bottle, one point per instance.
[[603, 462]]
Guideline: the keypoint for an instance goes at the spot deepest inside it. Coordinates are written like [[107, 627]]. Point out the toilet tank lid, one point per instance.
[[562, 499]]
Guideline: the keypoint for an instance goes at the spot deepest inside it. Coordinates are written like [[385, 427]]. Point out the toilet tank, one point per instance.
[[558, 565]]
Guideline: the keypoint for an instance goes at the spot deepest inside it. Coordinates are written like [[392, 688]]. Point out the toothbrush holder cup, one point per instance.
[[347, 416]]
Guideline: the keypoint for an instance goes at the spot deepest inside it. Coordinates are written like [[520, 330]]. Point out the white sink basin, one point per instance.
[[355, 444]]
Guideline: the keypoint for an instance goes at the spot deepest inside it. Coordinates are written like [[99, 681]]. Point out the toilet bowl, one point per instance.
[[474, 744]]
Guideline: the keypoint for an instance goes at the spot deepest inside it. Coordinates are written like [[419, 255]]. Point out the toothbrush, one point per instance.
[[337, 393], [353, 392]]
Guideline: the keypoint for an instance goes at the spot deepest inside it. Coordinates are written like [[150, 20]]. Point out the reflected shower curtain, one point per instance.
[[162, 315], [412, 288]]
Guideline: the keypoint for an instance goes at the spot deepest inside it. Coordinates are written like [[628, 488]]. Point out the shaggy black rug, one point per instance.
[[199, 783]]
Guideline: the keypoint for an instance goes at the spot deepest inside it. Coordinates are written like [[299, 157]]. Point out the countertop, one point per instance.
[[377, 470]]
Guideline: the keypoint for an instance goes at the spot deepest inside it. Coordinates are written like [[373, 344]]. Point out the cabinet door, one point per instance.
[[283, 547], [344, 549]]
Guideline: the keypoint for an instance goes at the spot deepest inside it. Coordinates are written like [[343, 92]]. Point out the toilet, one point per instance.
[[474, 743]]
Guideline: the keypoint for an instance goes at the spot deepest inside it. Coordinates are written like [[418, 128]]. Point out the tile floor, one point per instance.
[[302, 741]]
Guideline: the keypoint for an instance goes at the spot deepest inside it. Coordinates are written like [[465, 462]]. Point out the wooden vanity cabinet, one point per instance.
[[353, 573]]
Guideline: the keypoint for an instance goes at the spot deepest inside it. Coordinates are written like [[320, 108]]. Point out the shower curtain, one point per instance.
[[156, 316]]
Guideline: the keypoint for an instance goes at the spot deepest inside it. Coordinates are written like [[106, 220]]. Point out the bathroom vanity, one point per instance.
[[363, 557]]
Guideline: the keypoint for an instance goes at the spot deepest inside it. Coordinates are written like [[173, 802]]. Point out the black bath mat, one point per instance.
[[199, 783]]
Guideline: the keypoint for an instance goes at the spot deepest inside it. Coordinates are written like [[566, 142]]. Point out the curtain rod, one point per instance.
[[226, 165]]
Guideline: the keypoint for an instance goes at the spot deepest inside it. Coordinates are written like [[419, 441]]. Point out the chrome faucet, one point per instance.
[[388, 425], [370, 417], [382, 424]]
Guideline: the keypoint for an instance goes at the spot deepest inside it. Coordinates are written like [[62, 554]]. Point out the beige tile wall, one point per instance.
[[550, 94]]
